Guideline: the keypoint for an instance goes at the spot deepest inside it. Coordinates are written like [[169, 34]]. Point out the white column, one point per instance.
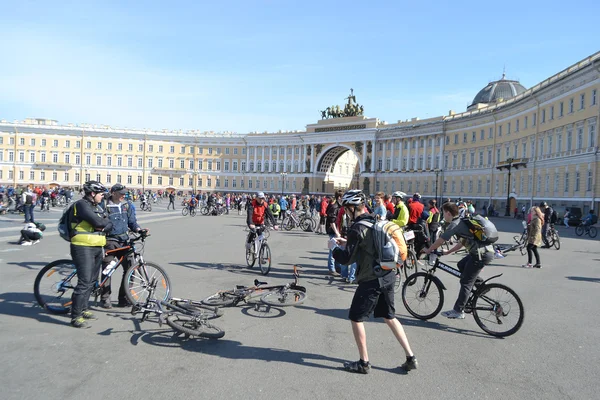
[[270, 158], [285, 159], [293, 158], [247, 159], [407, 155], [385, 142], [442, 143], [373, 155], [254, 169], [433, 152], [364, 156], [392, 155], [313, 167], [263, 159], [425, 154], [304, 152]]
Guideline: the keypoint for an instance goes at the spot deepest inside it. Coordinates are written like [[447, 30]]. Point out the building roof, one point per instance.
[[496, 90]]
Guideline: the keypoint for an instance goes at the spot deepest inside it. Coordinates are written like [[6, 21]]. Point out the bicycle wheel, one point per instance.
[[149, 207], [53, 284], [204, 211], [411, 262], [289, 224], [250, 257], [398, 282], [498, 310], [139, 279], [556, 241], [284, 297], [193, 212], [422, 296], [306, 225], [221, 299], [593, 232], [194, 326], [579, 230], [210, 312], [264, 259], [184, 211]]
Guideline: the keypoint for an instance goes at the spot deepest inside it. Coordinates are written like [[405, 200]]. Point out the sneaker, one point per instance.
[[537, 266], [410, 364], [334, 273], [79, 322], [26, 243], [453, 314], [35, 242], [526, 265], [106, 304], [360, 367], [88, 315]]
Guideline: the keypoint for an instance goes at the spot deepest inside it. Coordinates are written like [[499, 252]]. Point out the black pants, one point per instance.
[[88, 261], [532, 250], [544, 232], [171, 203], [29, 236], [470, 267], [106, 289]]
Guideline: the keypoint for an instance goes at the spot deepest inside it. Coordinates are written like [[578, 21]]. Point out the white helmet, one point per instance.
[[399, 194], [353, 198], [260, 195]]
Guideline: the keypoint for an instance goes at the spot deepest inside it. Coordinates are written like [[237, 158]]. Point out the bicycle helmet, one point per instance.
[[417, 196], [260, 195], [543, 204], [399, 194], [94, 187], [118, 188], [353, 198]]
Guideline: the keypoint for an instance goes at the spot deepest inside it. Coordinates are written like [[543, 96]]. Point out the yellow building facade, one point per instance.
[[550, 130]]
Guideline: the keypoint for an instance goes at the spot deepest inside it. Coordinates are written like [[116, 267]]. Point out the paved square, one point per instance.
[[296, 353]]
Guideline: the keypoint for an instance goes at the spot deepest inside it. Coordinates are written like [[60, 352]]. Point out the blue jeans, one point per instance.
[[28, 210], [349, 271], [331, 263]]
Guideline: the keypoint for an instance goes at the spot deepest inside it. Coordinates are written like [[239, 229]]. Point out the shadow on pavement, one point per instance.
[[24, 305], [441, 327], [583, 279], [29, 264]]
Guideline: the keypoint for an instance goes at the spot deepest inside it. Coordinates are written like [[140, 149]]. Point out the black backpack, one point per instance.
[[553, 217]]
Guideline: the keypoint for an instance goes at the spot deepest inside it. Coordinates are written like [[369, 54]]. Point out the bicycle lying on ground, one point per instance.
[[289, 294], [520, 243], [260, 249], [56, 280], [496, 308], [586, 229], [188, 317]]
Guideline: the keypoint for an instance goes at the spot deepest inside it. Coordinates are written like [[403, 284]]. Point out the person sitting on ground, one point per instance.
[[31, 234]]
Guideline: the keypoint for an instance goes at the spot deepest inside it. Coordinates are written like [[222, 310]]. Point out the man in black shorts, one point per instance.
[[373, 294]]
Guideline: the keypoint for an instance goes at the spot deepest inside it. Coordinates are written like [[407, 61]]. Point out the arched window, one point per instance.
[[258, 166], [251, 166]]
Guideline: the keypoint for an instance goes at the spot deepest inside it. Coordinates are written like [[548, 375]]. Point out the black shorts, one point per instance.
[[372, 297], [322, 220]]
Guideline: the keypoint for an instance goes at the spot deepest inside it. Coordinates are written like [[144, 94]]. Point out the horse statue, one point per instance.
[[324, 113]]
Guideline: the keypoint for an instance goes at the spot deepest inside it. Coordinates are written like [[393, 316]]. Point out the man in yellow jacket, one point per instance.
[[401, 214], [88, 223]]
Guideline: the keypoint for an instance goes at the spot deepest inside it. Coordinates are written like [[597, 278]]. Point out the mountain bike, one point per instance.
[[54, 282], [520, 242], [552, 237], [261, 248], [289, 294], [146, 206], [497, 309], [188, 210], [586, 229], [187, 317], [290, 221]]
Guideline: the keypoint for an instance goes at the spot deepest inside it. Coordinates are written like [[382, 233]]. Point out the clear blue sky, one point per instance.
[[268, 65]]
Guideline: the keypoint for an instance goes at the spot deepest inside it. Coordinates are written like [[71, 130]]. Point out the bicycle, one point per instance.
[[521, 242], [146, 206], [552, 237], [423, 291], [188, 210], [290, 221], [188, 317], [259, 246], [289, 294], [57, 278], [590, 230]]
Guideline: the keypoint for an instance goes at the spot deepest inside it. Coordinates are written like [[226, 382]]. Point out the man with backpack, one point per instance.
[[476, 234], [373, 294], [548, 219], [29, 200], [121, 213], [171, 201]]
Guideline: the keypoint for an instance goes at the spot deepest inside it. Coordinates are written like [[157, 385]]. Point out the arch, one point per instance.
[[329, 156]]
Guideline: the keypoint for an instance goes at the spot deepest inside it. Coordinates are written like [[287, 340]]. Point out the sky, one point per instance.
[[244, 66]]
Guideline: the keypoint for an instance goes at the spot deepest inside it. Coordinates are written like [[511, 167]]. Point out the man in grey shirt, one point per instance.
[[471, 265]]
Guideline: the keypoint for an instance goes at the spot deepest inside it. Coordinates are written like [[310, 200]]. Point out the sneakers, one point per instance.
[[35, 242], [106, 304], [88, 315], [410, 364], [334, 273], [527, 265], [360, 366], [452, 314], [79, 322], [537, 266], [26, 243]]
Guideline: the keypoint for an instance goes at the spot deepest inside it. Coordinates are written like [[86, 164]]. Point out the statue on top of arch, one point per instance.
[[351, 109]]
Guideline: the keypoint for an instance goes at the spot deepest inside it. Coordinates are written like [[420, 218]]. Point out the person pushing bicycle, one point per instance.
[[258, 210], [471, 265], [121, 213], [87, 226]]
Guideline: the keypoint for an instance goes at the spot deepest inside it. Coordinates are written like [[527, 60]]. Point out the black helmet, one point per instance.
[[117, 187], [94, 187], [543, 204]]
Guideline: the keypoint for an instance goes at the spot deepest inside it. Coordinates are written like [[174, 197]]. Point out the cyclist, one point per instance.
[[258, 210], [471, 265], [547, 210], [121, 213], [275, 209], [373, 294], [192, 203], [400, 216], [88, 224], [589, 220]]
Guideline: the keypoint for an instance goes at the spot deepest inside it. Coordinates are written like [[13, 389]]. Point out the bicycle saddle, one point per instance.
[[258, 283], [240, 287]]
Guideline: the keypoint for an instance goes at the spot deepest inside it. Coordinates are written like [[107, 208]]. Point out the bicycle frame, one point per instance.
[[452, 271]]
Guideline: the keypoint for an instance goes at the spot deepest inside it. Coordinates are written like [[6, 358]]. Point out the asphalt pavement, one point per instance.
[[295, 352]]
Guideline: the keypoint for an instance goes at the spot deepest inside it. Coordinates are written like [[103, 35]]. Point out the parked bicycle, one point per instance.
[[187, 317], [496, 308], [259, 249], [289, 294], [582, 229], [54, 282]]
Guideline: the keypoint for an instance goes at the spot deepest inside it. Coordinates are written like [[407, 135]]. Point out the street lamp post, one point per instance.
[[509, 164], [437, 173], [283, 175]]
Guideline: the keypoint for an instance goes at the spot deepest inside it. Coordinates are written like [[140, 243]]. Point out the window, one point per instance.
[[489, 157], [559, 143], [119, 161], [139, 180], [149, 179], [465, 137], [130, 147], [541, 146], [550, 144], [472, 159], [589, 181], [577, 181], [210, 151], [499, 130], [592, 134], [235, 153], [235, 166], [490, 133], [525, 122], [55, 143], [109, 161], [517, 125], [199, 164], [182, 150], [534, 119], [120, 146], [129, 179], [571, 105], [31, 157], [140, 162], [150, 162], [209, 165], [99, 146], [551, 113], [88, 145], [77, 158], [67, 158], [473, 137], [482, 135], [98, 160], [150, 148], [181, 181], [159, 180], [479, 186], [569, 136], [140, 147], [454, 160], [243, 166], [508, 128], [561, 109], [218, 165], [191, 164], [507, 152], [497, 156], [171, 163], [547, 183], [109, 146], [582, 101], [182, 164], [463, 160], [130, 161], [227, 150], [456, 139], [172, 149], [480, 158], [579, 137], [594, 94], [88, 160], [160, 149], [566, 181]]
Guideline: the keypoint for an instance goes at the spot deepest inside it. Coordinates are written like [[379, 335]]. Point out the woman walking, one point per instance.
[[534, 237]]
